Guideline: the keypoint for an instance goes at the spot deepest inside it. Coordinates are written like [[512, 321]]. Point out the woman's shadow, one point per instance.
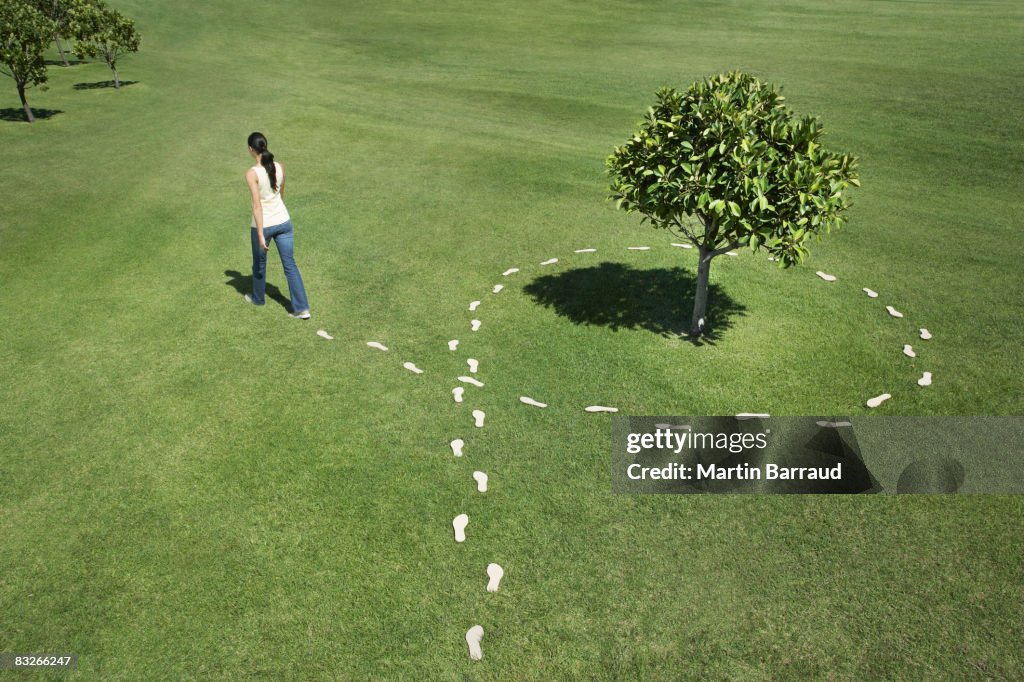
[[243, 285]]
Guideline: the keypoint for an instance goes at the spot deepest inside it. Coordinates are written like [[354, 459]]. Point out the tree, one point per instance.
[[57, 11], [726, 164], [24, 36], [102, 31]]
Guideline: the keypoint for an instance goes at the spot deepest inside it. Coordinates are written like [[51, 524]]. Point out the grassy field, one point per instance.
[[195, 488]]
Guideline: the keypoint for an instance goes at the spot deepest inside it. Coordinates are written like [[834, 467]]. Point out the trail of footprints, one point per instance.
[[460, 523]]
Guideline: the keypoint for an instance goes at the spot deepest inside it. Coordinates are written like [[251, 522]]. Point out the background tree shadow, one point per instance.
[[98, 85], [71, 62], [619, 296], [243, 285], [17, 114]]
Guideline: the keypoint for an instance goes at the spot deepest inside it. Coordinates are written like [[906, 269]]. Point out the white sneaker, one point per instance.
[[248, 299], [304, 315]]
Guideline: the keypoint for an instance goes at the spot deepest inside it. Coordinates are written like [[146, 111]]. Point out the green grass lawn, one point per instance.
[[196, 488]]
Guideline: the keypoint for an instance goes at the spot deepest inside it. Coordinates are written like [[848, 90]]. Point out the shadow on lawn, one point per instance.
[[619, 296], [243, 285], [71, 62], [17, 114], [99, 85]]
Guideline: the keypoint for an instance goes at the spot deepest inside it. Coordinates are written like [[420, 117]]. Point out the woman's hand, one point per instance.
[[264, 245]]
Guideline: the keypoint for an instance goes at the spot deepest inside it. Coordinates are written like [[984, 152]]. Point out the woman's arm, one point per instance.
[[257, 207], [282, 181]]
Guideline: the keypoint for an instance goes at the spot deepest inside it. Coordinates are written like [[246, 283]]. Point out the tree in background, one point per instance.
[[102, 31], [726, 164], [24, 36], [57, 11]]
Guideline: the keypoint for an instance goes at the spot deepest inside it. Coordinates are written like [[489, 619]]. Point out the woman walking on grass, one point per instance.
[[270, 220]]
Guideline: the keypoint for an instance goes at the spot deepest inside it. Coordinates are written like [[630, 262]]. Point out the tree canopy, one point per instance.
[[726, 164]]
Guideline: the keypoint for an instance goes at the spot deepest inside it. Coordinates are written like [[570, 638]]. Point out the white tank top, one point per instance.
[[274, 212]]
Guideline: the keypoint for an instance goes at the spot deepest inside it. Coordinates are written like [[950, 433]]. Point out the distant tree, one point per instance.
[[57, 11], [24, 36], [726, 164], [101, 31]]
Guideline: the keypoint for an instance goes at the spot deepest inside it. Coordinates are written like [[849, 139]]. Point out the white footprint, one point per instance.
[[453, 344], [683, 246], [825, 276], [478, 418], [457, 393], [752, 415], [550, 261], [375, 344], [585, 251], [878, 400], [773, 259], [892, 311], [510, 271], [457, 447], [473, 306], [833, 425], [925, 334], [871, 293], [459, 523], [530, 401], [474, 365], [677, 427], [925, 380], [412, 368], [471, 380], [495, 573], [638, 248], [497, 288], [731, 253], [475, 325], [908, 350], [481, 481], [324, 335], [600, 408], [473, 637]]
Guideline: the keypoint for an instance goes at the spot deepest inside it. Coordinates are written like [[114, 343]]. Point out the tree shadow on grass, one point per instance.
[[99, 85], [71, 62], [620, 296], [17, 114], [243, 285]]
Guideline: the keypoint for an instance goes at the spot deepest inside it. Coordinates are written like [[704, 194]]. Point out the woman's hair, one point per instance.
[[259, 143]]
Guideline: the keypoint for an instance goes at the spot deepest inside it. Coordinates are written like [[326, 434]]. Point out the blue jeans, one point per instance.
[[284, 236]]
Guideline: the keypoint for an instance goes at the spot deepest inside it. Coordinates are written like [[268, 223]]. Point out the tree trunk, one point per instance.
[[24, 104], [700, 300], [113, 67], [60, 49]]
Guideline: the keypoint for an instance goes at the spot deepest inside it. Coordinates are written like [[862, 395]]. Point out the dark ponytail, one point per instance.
[[259, 144]]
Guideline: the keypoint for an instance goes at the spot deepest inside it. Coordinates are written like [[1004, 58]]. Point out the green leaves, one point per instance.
[[739, 162], [101, 31]]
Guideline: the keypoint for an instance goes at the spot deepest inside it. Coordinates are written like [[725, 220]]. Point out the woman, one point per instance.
[[270, 220]]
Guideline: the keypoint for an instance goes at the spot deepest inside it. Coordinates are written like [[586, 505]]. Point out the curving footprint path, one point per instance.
[[460, 522]]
